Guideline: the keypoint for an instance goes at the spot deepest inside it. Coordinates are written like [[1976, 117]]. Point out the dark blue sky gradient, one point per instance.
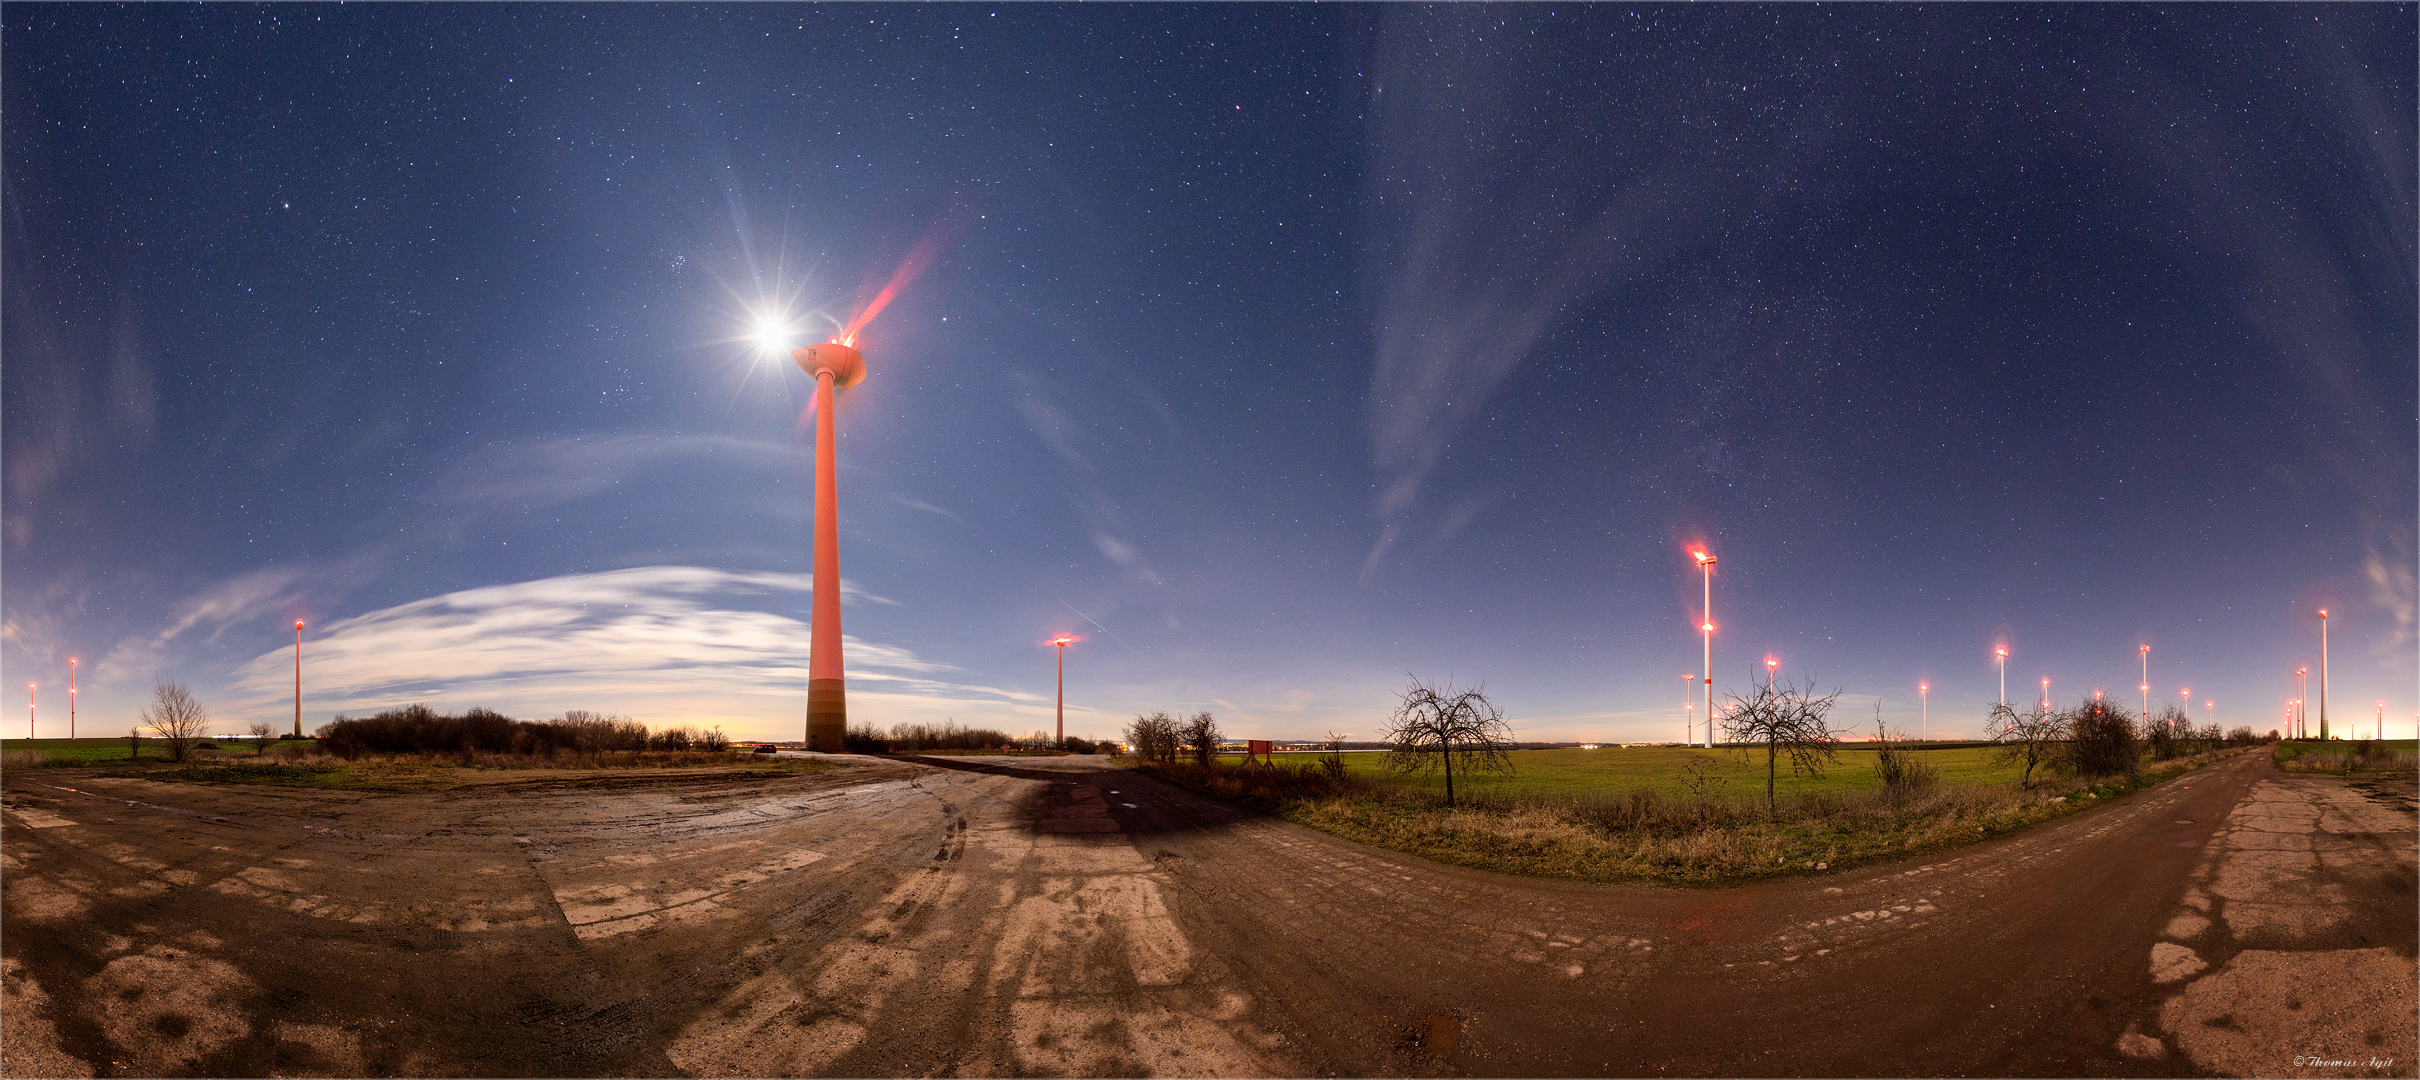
[[1279, 351]]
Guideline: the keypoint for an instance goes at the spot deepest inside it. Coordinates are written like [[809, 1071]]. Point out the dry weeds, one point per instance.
[[2353, 761]]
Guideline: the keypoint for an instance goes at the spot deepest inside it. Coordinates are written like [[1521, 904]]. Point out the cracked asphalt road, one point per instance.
[[1066, 917]]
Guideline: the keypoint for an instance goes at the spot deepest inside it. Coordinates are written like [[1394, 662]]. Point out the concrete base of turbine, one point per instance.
[[827, 715]]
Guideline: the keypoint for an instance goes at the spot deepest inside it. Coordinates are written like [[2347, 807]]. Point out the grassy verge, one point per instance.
[[2349, 756], [46, 753], [279, 773], [1648, 834], [1678, 770], [427, 772]]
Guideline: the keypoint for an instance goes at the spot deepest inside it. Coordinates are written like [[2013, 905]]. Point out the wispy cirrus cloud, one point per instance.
[[204, 616], [1495, 207], [919, 504], [561, 469], [1111, 532], [663, 643]]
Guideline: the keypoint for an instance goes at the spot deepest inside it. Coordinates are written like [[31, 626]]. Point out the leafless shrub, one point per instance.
[[1331, 762], [2100, 741], [262, 735], [1903, 773], [22, 759], [175, 718], [946, 735], [1200, 736], [1154, 737]]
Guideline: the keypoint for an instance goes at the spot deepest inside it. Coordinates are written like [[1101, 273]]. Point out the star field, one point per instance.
[[1276, 350]]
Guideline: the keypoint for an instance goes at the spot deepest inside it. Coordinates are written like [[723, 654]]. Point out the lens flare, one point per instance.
[[917, 259], [772, 334]]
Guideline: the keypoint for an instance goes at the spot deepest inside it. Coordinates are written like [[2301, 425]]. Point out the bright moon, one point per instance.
[[772, 335]]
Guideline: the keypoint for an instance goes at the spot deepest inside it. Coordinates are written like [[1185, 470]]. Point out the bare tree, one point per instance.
[[2027, 738], [261, 736], [1436, 725], [1789, 722], [1201, 735], [175, 718]]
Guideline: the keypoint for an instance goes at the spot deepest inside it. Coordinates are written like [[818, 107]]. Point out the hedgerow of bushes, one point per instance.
[[418, 729]]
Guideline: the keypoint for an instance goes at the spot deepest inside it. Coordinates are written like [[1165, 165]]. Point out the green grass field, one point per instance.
[[2386, 755], [110, 751], [1667, 768], [2291, 749], [1633, 814]]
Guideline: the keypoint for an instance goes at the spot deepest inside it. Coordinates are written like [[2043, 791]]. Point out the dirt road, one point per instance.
[[1065, 917]]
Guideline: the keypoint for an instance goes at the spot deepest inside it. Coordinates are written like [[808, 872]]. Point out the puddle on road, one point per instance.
[[1432, 1036]]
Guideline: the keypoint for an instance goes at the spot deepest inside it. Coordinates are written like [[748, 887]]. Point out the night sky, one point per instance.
[[1279, 352]]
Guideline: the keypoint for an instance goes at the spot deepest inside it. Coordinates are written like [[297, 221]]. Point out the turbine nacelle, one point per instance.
[[846, 364]]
